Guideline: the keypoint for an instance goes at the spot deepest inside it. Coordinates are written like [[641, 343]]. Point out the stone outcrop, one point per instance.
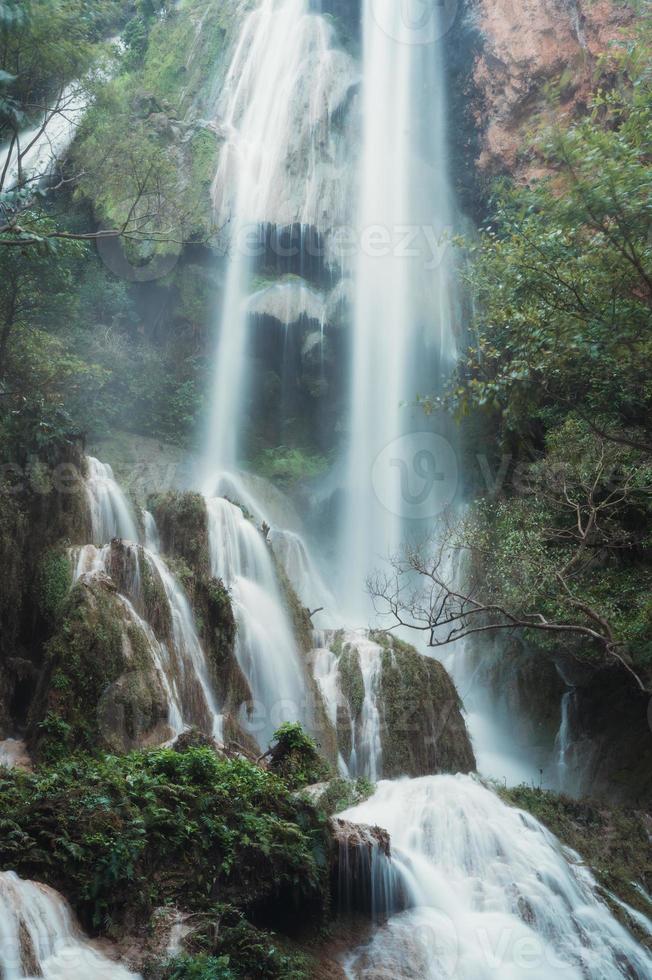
[[363, 877], [526, 46]]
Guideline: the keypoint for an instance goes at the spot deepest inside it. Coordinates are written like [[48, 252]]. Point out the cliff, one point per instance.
[[526, 48]]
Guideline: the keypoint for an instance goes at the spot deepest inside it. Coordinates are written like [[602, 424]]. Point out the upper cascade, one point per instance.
[[281, 163], [110, 513], [282, 183], [40, 938]]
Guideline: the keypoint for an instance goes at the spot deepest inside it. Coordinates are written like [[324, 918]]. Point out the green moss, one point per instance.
[[340, 794], [85, 657], [182, 523], [351, 680], [157, 608], [287, 466], [613, 841], [226, 937], [294, 757], [422, 729]]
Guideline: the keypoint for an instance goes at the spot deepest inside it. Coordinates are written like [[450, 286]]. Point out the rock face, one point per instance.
[[364, 879], [101, 687], [526, 46], [423, 730], [395, 712]]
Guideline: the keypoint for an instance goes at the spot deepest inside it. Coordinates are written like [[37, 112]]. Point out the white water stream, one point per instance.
[[278, 168], [403, 340], [266, 647], [111, 516], [180, 663], [40, 938], [494, 895]]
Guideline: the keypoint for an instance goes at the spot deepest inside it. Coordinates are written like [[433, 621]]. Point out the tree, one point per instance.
[[558, 561], [562, 273]]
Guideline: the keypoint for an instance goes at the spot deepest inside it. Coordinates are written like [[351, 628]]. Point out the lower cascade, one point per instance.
[[40, 938], [491, 893]]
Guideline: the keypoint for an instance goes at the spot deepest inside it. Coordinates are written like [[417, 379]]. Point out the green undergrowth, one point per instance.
[[295, 757], [123, 835], [225, 945]]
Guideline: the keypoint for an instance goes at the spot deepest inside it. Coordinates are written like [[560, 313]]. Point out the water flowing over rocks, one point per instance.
[[396, 713], [484, 882], [40, 938]]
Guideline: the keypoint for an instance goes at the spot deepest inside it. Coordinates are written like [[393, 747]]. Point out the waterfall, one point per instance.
[[179, 662], [403, 318], [193, 669], [110, 513], [493, 893], [306, 580], [564, 739], [46, 142], [265, 646], [362, 718], [278, 175], [40, 938]]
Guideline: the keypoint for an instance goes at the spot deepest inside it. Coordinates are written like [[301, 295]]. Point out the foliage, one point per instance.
[[201, 967], [122, 835], [289, 465], [341, 794], [54, 581], [562, 333], [226, 934], [295, 758], [563, 270]]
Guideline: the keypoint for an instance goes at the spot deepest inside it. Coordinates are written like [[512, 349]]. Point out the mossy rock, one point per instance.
[[422, 728], [182, 523], [99, 688]]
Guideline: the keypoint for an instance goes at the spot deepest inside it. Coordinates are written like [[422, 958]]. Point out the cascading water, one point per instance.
[[493, 894], [290, 549], [265, 647], [40, 938], [111, 515], [180, 661], [278, 170], [403, 318], [364, 724], [194, 681]]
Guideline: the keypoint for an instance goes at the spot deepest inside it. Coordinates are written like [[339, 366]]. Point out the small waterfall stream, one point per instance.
[[40, 938], [266, 647], [111, 516], [179, 661]]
